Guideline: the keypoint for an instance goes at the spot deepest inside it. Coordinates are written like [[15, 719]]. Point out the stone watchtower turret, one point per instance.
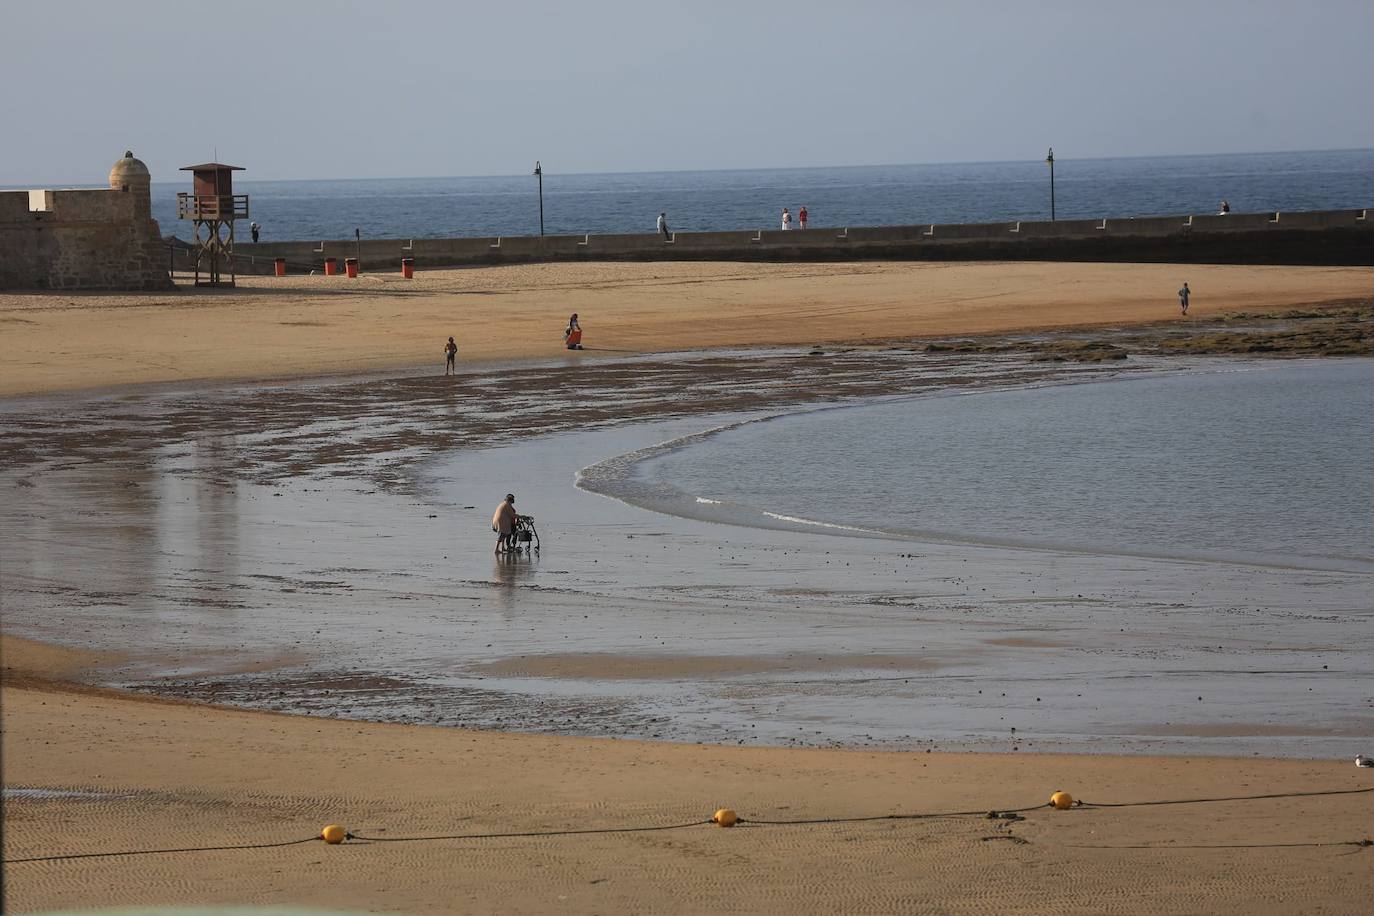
[[130, 174], [144, 251]]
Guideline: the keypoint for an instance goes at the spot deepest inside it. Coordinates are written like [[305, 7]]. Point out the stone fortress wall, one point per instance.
[[1338, 237], [84, 239]]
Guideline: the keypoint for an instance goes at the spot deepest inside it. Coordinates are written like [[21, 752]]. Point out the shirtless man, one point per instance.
[[503, 522]]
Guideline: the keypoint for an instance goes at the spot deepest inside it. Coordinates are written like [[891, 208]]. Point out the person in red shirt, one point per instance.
[[572, 335], [801, 216]]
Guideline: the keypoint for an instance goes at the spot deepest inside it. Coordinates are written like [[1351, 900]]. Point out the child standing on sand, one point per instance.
[[450, 355], [1183, 295]]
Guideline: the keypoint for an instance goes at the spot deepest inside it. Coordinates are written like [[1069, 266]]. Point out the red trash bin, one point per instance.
[[331, 266], [408, 268], [351, 266], [280, 265]]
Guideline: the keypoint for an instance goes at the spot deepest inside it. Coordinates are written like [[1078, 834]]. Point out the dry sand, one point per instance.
[[168, 774], [300, 326]]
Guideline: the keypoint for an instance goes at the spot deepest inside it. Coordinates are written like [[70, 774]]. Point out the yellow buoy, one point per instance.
[[1061, 800], [333, 834], [726, 817]]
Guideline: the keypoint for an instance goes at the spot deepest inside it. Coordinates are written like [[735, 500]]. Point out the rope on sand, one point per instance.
[[1226, 798], [1007, 814], [158, 852], [589, 831]]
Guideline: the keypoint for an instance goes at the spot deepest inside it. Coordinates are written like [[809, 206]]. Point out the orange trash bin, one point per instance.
[[408, 268], [351, 266], [331, 266], [280, 265]]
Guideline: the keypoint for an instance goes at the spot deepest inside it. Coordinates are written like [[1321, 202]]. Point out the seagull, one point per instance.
[[1362, 761]]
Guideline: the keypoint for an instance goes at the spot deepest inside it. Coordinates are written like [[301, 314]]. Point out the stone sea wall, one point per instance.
[[1339, 237], [106, 239]]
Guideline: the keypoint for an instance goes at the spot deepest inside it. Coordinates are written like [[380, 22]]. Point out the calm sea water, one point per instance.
[[1268, 463], [750, 199]]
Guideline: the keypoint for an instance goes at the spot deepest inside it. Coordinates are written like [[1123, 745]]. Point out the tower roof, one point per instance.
[[212, 167], [127, 169]]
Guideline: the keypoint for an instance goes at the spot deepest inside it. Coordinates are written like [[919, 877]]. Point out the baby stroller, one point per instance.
[[523, 535]]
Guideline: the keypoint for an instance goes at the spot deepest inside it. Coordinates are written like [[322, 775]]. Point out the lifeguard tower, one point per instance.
[[213, 206]]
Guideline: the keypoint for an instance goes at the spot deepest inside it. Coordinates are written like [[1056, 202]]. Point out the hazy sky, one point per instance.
[[294, 89]]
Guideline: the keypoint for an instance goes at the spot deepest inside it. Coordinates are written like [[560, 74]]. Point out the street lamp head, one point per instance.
[[537, 169], [1050, 158]]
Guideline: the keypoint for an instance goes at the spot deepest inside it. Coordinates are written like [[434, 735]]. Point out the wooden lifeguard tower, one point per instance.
[[213, 206]]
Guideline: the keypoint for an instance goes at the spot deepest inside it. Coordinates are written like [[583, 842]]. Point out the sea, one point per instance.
[[888, 195], [1263, 463]]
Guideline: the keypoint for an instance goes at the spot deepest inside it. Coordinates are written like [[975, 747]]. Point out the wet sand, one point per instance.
[[321, 548]]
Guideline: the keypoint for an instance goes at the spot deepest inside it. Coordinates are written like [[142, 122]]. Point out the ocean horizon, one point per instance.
[[747, 199], [872, 165]]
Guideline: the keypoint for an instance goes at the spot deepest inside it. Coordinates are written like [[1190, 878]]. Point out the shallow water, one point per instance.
[[318, 549], [1265, 463]]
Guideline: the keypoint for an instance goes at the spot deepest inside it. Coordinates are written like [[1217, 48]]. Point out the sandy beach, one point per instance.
[[316, 550], [308, 326], [158, 774]]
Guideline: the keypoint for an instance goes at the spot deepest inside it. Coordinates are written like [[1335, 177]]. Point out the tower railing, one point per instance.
[[212, 207]]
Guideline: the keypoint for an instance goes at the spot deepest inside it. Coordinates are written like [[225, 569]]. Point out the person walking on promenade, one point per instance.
[[1225, 208], [572, 335], [254, 228], [801, 217], [786, 219], [1183, 295], [503, 522], [663, 225], [450, 356]]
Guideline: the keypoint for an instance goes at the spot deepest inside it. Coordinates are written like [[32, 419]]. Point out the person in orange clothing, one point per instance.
[[572, 335]]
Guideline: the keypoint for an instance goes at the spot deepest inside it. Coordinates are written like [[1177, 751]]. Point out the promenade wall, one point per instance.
[[80, 239], [1333, 237]]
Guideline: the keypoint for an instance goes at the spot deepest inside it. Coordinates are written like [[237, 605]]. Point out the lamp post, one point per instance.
[[1049, 160], [539, 173]]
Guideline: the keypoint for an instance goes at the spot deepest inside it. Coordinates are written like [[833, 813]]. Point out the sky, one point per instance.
[[294, 89]]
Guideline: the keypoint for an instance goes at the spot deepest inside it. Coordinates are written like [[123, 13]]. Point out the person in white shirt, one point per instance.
[[503, 523], [786, 218], [663, 224]]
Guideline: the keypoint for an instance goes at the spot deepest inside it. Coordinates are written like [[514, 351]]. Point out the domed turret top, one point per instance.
[[129, 171]]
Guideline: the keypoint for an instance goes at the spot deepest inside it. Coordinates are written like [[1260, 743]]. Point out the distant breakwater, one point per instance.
[[1324, 237]]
